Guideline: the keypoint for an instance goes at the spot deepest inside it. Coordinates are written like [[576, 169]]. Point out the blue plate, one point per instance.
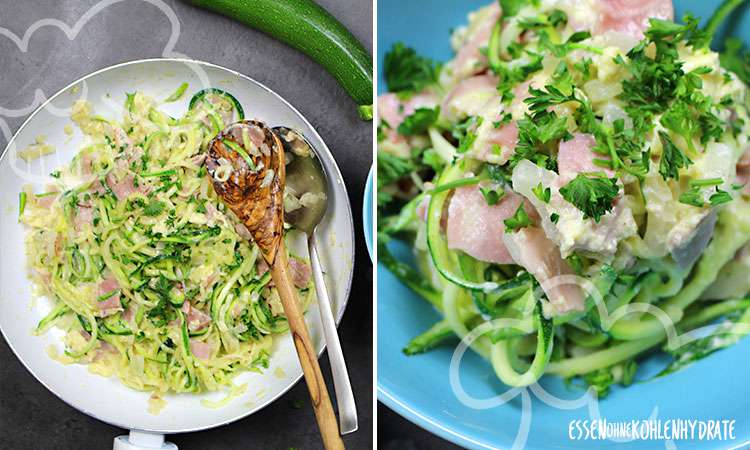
[[367, 214], [418, 387]]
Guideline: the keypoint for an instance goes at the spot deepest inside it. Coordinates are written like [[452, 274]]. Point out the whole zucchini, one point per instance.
[[306, 26]]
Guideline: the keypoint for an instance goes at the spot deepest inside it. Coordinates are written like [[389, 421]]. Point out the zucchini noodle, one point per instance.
[[148, 272]]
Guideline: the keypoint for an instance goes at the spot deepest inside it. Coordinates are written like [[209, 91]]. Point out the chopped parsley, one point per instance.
[[539, 132], [535, 138], [511, 76], [672, 158], [542, 193], [466, 133], [504, 120], [584, 68], [591, 194], [695, 197], [691, 115], [419, 121], [154, 208], [492, 194], [406, 71], [391, 168], [382, 127]]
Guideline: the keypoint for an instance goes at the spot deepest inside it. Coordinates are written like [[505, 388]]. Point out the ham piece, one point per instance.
[[201, 350], [630, 17], [531, 249], [477, 228], [111, 305], [575, 156], [197, 319]]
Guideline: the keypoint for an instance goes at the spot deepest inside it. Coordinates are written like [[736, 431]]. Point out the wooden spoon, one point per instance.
[[246, 164]]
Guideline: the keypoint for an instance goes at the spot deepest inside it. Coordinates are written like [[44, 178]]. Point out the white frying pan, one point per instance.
[[106, 398]]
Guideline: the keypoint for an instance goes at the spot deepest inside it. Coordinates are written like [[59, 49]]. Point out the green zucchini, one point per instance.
[[58, 311], [446, 262], [200, 332], [22, 197], [304, 25], [114, 324], [84, 323], [201, 97], [492, 305], [436, 335], [176, 298], [177, 94], [129, 99], [504, 354]]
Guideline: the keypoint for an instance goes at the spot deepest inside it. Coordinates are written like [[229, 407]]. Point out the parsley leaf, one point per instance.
[[154, 208], [584, 67], [511, 76], [382, 133], [405, 71], [558, 92], [466, 133], [519, 220], [592, 195], [535, 136], [694, 196], [504, 120], [392, 168], [690, 115], [573, 43], [498, 173], [554, 217], [492, 194], [419, 121], [542, 193], [672, 158]]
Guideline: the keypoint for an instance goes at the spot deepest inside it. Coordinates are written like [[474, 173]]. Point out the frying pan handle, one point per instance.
[[141, 440]]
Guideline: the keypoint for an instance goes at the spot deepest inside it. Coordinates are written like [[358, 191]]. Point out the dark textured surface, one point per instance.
[[397, 433], [33, 418]]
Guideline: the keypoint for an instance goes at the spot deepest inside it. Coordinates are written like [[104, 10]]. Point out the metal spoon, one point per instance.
[[305, 174], [246, 164]]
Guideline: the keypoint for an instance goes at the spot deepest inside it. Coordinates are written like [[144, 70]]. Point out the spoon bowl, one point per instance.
[[306, 177]]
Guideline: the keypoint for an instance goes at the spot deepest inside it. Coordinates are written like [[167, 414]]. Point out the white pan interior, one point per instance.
[[106, 398]]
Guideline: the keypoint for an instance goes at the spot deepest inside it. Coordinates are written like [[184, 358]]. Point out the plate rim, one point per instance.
[[424, 421], [336, 176], [367, 214]]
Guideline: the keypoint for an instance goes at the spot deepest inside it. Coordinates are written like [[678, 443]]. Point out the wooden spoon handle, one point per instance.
[[308, 358]]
